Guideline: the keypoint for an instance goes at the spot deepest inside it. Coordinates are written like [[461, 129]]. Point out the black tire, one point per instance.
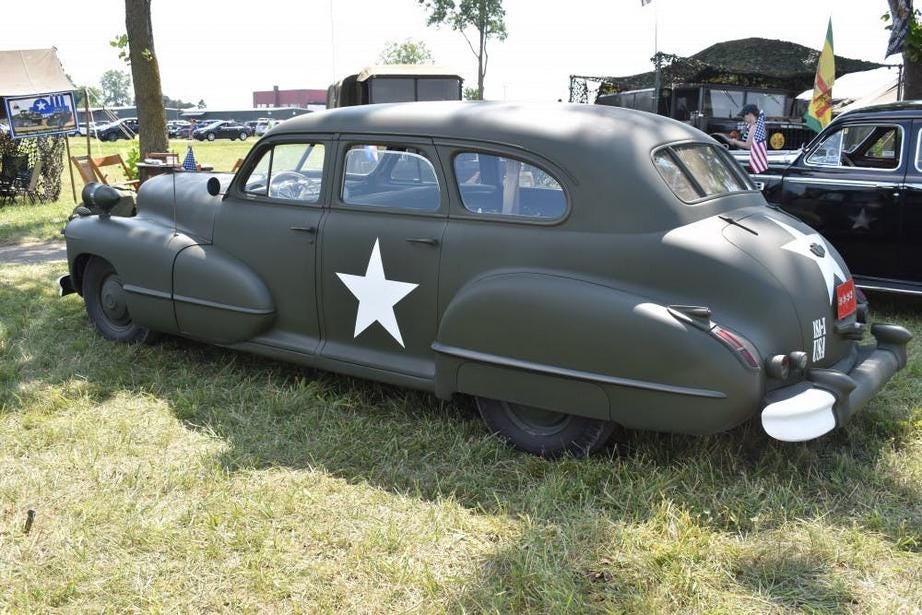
[[211, 136], [106, 306], [243, 136], [112, 137], [544, 432]]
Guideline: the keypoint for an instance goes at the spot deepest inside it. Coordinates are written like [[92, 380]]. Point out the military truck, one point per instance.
[[395, 83], [715, 109]]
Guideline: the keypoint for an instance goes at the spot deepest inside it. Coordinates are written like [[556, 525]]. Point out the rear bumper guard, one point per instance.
[[828, 398]]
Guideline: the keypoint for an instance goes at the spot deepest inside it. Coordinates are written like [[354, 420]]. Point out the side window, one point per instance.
[[865, 146], [497, 185], [390, 176], [288, 171]]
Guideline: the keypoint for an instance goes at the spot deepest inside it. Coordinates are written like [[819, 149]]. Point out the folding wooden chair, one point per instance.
[[87, 169], [117, 161], [237, 165]]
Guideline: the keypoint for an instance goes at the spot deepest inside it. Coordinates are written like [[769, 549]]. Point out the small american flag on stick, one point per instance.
[[758, 151]]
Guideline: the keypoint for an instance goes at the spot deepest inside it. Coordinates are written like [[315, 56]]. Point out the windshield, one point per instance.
[[696, 171]]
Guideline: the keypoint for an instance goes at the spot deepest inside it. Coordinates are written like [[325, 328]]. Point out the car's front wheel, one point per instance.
[[211, 136], [107, 307], [544, 432], [243, 136]]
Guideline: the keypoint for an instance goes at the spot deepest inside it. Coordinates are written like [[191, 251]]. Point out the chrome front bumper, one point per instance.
[[828, 397]]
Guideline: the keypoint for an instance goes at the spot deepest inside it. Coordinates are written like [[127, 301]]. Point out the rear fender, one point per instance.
[[566, 338]]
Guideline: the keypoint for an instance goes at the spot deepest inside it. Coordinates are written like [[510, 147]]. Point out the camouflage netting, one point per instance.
[[749, 62], [50, 150]]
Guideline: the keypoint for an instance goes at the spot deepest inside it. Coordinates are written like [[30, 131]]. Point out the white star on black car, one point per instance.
[[803, 244], [377, 296]]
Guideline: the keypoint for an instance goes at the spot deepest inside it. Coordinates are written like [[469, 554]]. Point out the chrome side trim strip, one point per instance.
[[147, 292], [889, 289], [463, 353], [845, 182], [221, 306]]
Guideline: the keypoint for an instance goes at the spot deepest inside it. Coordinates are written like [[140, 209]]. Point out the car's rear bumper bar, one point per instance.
[[828, 397]]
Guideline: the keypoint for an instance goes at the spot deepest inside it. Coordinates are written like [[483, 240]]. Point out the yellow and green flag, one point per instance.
[[819, 113]]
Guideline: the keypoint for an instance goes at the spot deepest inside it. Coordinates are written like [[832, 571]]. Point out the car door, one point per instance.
[[848, 187], [269, 221], [911, 228], [381, 245]]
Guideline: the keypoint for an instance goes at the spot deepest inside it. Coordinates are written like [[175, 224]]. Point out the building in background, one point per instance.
[[315, 100]]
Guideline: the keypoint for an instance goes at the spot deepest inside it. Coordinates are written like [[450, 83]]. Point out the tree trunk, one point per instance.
[[912, 79], [145, 71]]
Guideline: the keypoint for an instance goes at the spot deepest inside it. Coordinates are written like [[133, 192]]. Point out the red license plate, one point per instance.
[[846, 301]]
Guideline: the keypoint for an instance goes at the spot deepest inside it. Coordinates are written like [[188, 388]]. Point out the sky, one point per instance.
[[222, 51]]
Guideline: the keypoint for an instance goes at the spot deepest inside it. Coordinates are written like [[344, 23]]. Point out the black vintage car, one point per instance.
[[222, 129], [859, 183]]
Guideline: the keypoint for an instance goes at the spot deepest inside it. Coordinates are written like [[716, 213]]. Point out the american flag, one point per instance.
[[758, 151], [188, 162]]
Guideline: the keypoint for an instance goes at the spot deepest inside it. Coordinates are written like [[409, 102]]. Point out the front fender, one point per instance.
[[656, 372], [142, 253]]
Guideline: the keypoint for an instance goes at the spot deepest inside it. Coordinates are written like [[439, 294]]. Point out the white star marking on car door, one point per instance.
[[828, 265], [377, 296]]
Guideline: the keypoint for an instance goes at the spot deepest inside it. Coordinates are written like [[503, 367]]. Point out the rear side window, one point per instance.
[[390, 176], [505, 186], [696, 171]]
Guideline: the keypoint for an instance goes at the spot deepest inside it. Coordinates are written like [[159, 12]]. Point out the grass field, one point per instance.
[[182, 477], [24, 222]]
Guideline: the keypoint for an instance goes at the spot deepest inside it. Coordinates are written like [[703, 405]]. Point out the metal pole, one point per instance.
[[86, 118], [70, 167], [656, 74]]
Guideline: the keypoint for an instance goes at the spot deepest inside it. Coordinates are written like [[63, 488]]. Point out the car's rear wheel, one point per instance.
[[243, 136], [544, 432], [107, 307], [211, 136]]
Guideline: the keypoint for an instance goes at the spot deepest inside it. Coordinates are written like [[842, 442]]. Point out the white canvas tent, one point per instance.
[[855, 90], [31, 71], [25, 72]]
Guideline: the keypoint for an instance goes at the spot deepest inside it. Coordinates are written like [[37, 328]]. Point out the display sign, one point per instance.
[[39, 115]]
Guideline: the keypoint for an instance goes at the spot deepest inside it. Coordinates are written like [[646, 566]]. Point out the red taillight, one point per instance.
[[739, 345]]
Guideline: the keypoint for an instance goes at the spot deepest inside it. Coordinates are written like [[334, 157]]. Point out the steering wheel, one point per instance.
[[294, 186]]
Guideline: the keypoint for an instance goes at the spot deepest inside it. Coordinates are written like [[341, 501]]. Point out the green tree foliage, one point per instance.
[[201, 103], [95, 96], [176, 103], [116, 88], [486, 17], [912, 53], [407, 52]]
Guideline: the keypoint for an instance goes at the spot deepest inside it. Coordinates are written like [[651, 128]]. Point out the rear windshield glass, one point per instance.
[[698, 170]]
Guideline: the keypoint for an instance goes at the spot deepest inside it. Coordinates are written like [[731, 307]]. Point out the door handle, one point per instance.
[[429, 241], [305, 229]]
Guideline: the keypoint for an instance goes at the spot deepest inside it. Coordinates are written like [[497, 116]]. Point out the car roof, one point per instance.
[[522, 124], [892, 110]]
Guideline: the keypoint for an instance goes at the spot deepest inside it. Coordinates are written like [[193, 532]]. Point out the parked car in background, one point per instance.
[[859, 183], [178, 129], [507, 252], [125, 128], [221, 129]]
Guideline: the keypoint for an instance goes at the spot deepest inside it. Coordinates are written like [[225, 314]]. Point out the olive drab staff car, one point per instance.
[[573, 268]]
